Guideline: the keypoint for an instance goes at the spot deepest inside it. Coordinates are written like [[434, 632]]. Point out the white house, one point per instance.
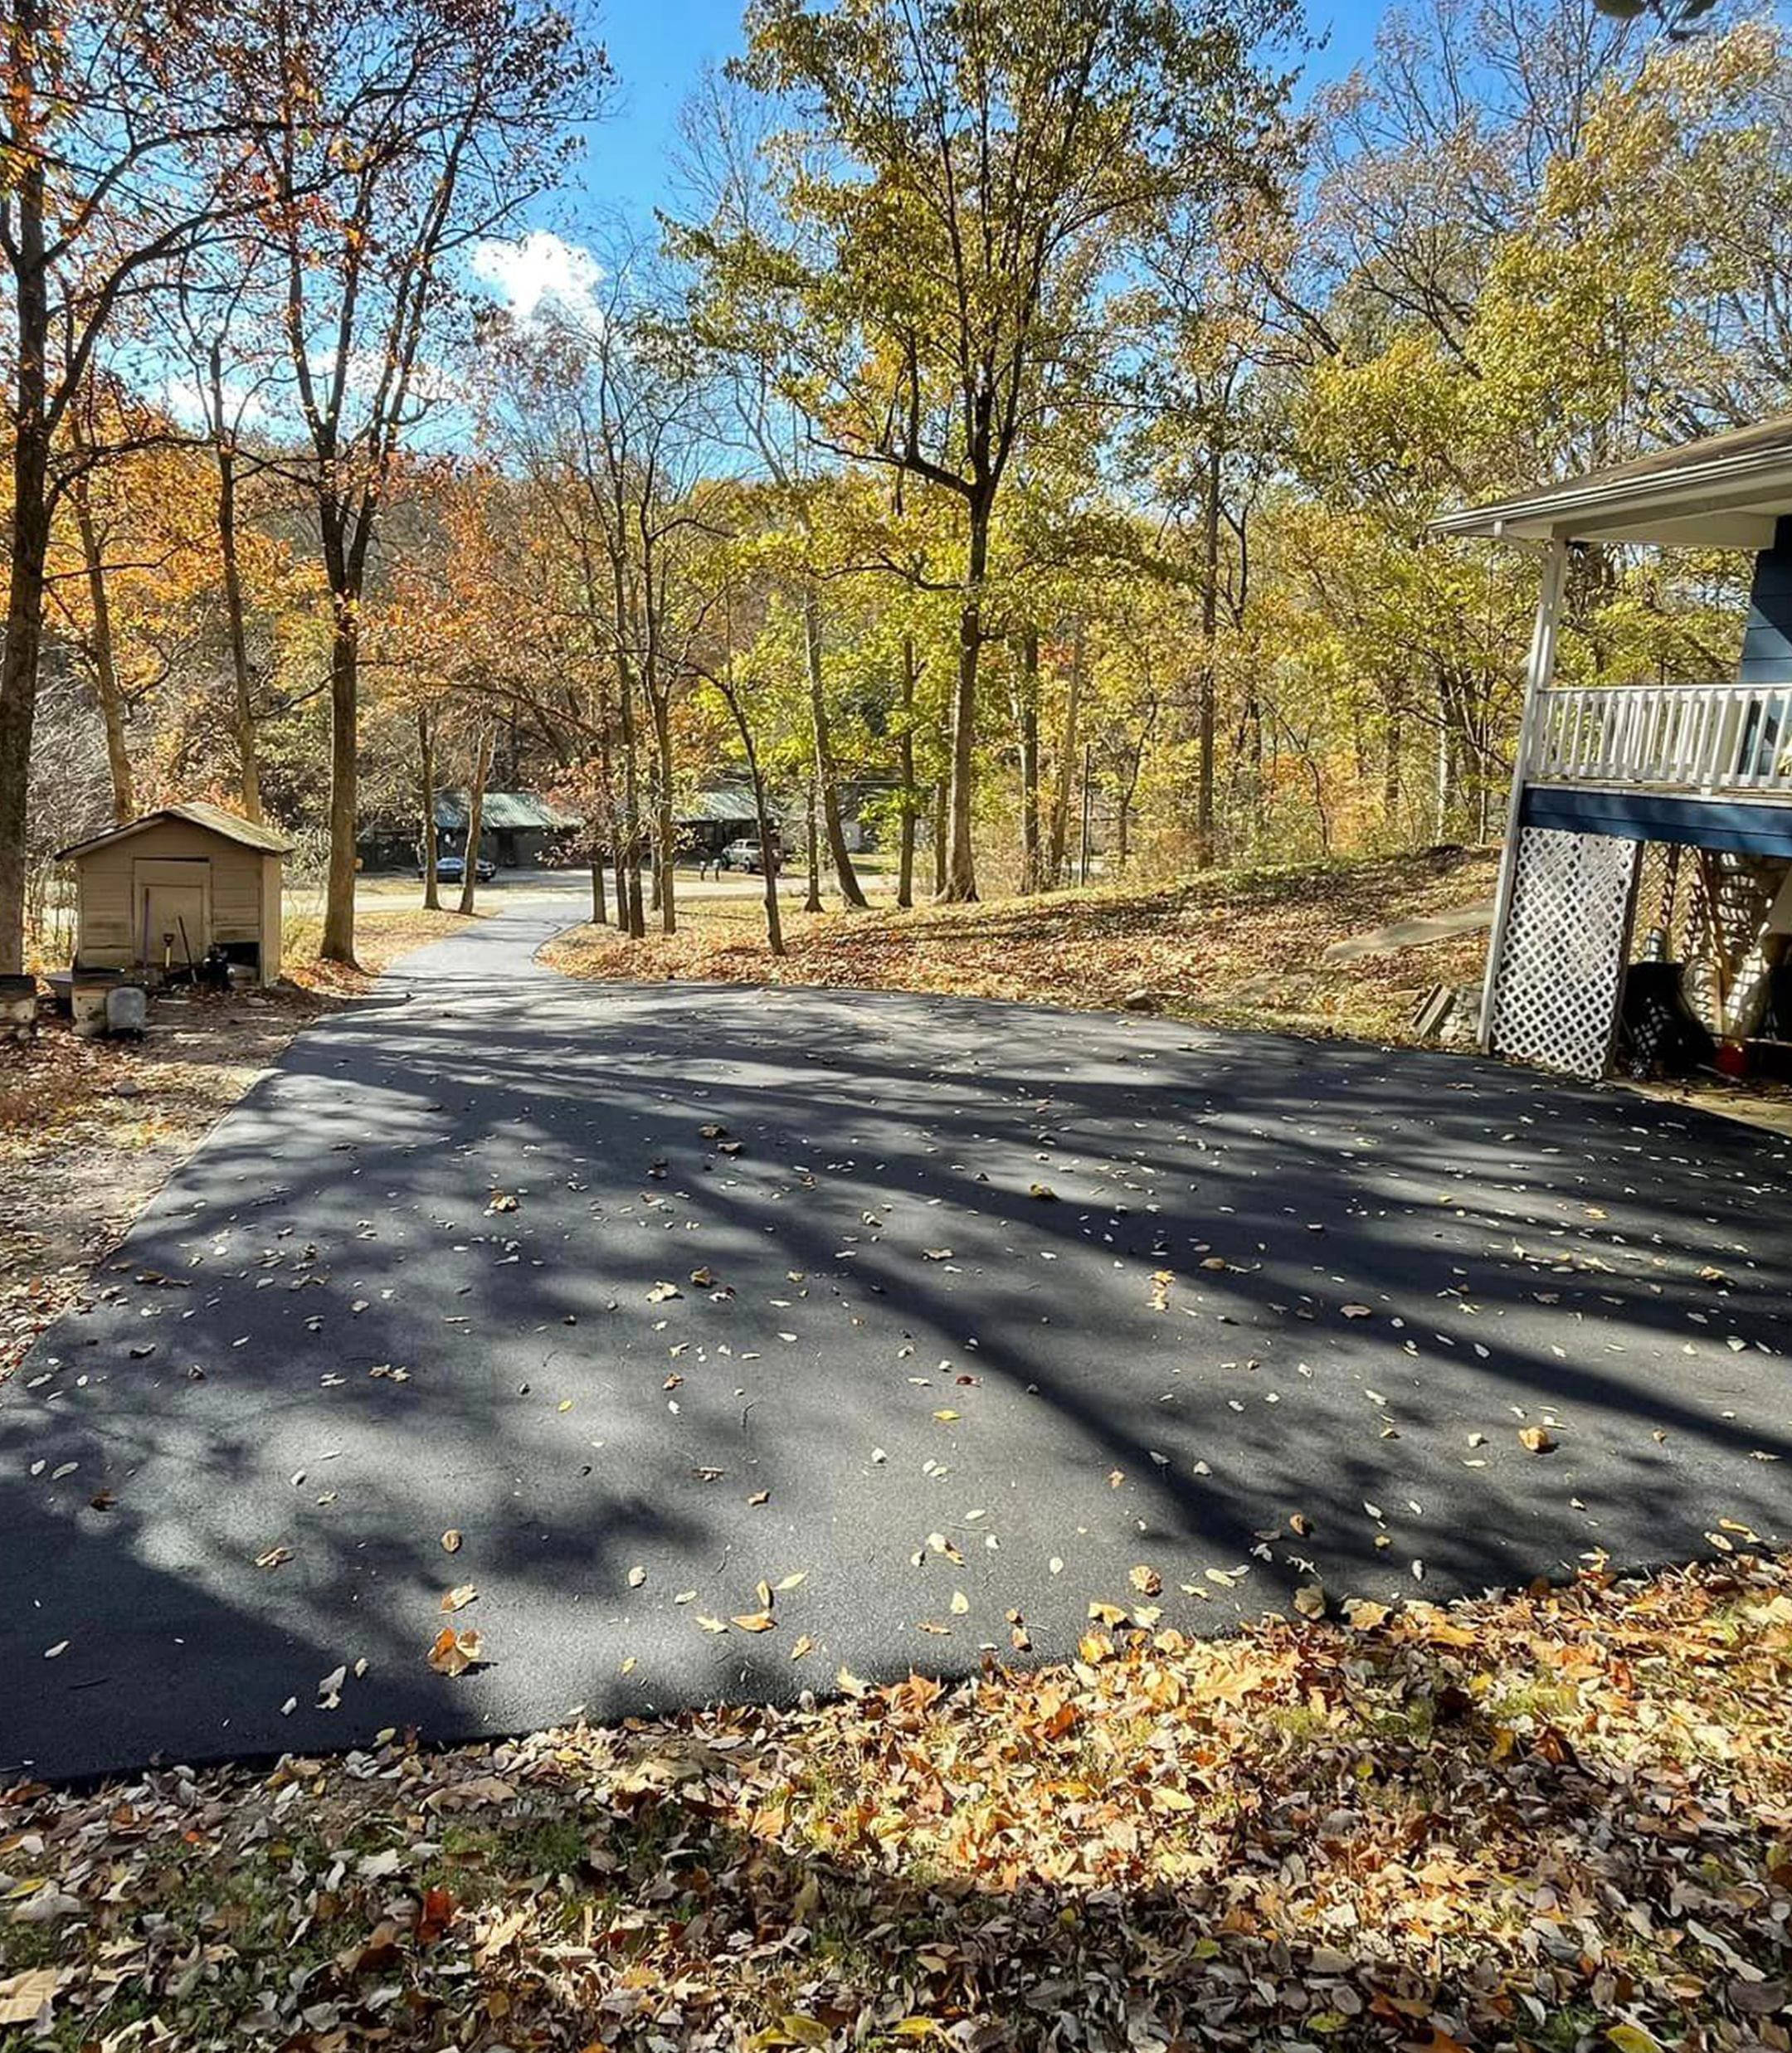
[[1649, 823]]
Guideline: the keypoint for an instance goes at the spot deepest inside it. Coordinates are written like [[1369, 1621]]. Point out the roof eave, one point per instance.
[[1722, 497]]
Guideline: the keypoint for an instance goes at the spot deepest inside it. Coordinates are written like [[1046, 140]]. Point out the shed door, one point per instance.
[[173, 911]]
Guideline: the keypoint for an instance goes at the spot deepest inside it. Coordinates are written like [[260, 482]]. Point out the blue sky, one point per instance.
[[658, 47]]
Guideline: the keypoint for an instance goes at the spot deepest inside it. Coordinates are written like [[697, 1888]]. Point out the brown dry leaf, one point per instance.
[[1365, 1615], [272, 1557], [754, 1621], [803, 1645], [1310, 1601], [452, 1653], [1145, 1580], [450, 1540], [22, 1995], [1357, 1311], [459, 1598], [1537, 1440]]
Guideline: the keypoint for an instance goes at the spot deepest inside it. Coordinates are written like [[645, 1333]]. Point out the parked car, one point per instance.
[[451, 870], [746, 855]]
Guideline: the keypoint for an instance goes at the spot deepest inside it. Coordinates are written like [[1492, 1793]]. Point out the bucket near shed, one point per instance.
[[18, 1008], [89, 994], [127, 1008]]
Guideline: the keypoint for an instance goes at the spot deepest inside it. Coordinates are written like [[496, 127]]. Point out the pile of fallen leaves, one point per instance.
[[1557, 1820], [1234, 946]]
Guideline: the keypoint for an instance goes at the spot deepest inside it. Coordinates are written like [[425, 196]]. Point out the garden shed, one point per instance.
[[155, 893]]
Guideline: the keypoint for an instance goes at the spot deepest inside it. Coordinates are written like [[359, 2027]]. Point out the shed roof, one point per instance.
[[1723, 491], [196, 813]]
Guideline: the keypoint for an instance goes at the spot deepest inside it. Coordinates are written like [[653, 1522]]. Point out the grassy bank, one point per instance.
[[1234, 947]]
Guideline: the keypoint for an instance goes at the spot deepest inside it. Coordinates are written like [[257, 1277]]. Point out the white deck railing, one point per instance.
[[1681, 737]]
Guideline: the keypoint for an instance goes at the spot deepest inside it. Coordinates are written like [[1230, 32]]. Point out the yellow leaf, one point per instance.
[[1633, 2039], [754, 1621]]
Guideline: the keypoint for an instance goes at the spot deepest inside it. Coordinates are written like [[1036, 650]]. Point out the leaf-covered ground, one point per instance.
[[1556, 1821], [89, 1129], [1237, 947]]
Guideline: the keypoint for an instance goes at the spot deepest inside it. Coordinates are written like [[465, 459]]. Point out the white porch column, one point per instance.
[[1540, 668]]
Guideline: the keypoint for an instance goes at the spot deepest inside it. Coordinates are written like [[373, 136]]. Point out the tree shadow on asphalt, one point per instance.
[[542, 1429]]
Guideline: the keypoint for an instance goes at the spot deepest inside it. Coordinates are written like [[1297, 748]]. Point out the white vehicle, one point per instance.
[[746, 855]]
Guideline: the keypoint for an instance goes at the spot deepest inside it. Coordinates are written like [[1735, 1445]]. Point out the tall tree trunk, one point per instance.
[[99, 650], [1026, 718], [812, 900], [1203, 800], [426, 794], [838, 854], [600, 910], [475, 819], [762, 810], [666, 829], [939, 839], [337, 943], [1444, 794], [960, 863], [628, 912], [905, 861], [1392, 741], [248, 759], [30, 537], [1065, 781]]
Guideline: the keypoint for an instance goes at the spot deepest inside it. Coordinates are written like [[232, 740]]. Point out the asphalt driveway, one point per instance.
[[736, 1336]]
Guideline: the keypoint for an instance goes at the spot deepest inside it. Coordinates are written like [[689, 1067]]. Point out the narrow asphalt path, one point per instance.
[[914, 1325]]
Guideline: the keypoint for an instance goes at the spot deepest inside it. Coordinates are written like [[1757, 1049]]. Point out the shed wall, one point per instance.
[[244, 886]]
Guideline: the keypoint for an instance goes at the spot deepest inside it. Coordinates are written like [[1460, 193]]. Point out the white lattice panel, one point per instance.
[[1567, 936]]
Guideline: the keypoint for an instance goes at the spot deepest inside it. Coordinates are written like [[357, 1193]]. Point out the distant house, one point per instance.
[[709, 820], [518, 830]]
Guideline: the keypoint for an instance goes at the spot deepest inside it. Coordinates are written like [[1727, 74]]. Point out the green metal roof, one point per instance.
[[724, 805], [504, 810]]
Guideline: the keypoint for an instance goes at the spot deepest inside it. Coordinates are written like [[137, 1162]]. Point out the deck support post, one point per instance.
[[1540, 668]]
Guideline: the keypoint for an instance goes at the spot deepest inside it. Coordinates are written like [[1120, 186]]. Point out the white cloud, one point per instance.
[[541, 271]]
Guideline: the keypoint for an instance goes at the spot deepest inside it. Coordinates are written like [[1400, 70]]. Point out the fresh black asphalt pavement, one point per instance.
[[918, 1325]]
